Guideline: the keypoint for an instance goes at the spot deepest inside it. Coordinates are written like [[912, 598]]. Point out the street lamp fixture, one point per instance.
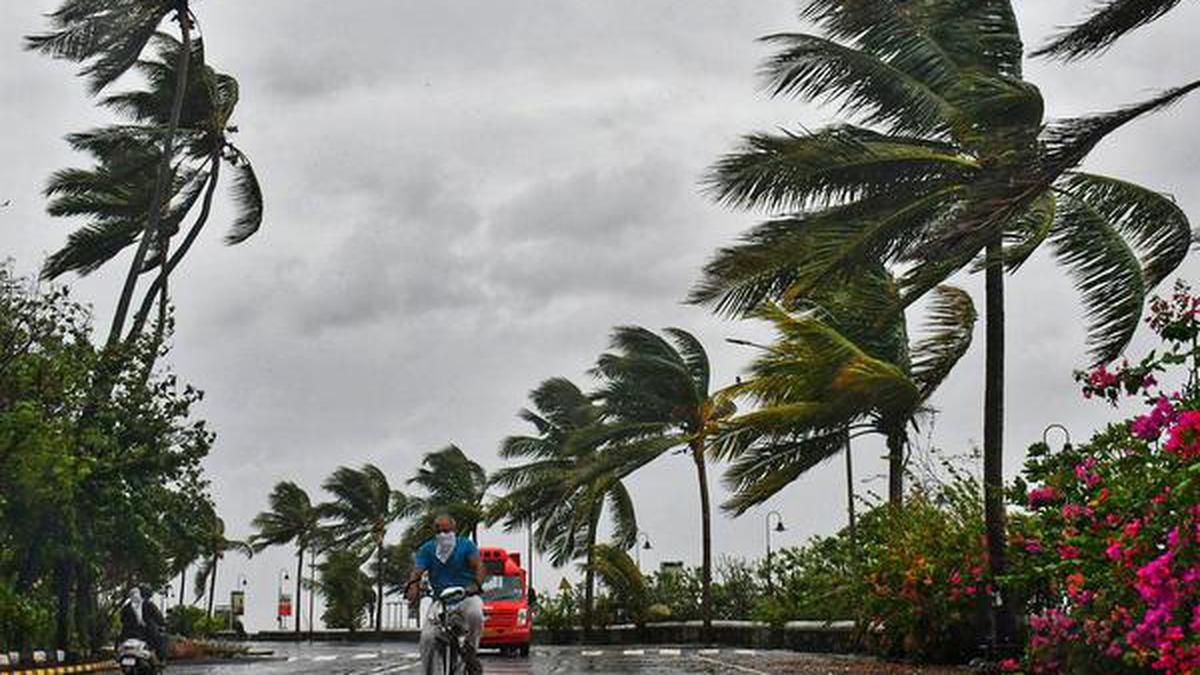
[[778, 528], [638, 549]]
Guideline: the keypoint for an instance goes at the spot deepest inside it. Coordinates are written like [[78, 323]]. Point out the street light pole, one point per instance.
[[637, 550], [283, 576], [778, 528]]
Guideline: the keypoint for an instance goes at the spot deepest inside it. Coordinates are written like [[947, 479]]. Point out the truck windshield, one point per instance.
[[498, 588]]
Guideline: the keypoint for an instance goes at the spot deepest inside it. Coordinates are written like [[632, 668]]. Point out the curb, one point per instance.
[[57, 670]]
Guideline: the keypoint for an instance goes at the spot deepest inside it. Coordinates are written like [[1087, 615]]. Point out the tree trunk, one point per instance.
[[139, 319], [212, 585], [706, 608], [379, 589], [299, 576], [895, 444], [160, 182], [850, 502], [63, 578], [182, 584], [993, 437], [589, 576]]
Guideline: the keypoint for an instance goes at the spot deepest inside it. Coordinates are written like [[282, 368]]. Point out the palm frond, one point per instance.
[[831, 166], [1104, 26], [1152, 222], [950, 327], [1067, 142], [817, 69], [1106, 272], [764, 469], [248, 199]]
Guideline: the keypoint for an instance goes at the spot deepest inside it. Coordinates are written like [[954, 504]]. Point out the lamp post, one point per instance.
[[240, 585], [637, 550], [283, 576], [778, 528]]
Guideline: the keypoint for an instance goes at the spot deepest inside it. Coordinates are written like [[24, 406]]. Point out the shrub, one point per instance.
[[1109, 551], [184, 620]]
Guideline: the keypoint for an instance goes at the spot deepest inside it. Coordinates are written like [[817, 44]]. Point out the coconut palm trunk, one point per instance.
[[379, 587], [182, 584], [159, 286], [697, 448], [154, 219], [589, 581], [993, 433], [299, 577], [895, 443], [212, 585]]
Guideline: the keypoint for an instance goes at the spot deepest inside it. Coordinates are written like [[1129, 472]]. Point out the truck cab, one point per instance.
[[508, 620]]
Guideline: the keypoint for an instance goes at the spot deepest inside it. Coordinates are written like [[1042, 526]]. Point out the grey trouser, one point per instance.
[[471, 610]]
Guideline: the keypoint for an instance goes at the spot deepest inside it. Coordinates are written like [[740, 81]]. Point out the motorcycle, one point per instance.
[[450, 632], [135, 657]]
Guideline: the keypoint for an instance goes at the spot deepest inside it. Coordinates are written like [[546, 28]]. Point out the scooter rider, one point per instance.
[[141, 619], [451, 561]]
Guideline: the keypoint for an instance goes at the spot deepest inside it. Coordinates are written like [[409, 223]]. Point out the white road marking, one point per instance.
[[744, 652], [726, 664], [592, 652], [325, 657], [669, 652], [709, 652], [634, 652], [397, 669], [367, 655]]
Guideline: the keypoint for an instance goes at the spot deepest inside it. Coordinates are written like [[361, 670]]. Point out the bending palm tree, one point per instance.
[[960, 172], [454, 484], [554, 493], [108, 37], [214, 548], [117, 201], [659, 391], [1105, 25], [820, 381], [363, 508], [292, 519]]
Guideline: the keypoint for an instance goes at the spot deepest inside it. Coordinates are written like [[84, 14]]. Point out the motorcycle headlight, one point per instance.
[[522, 616]]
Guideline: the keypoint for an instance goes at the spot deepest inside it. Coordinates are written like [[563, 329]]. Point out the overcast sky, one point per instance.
[[462, 198]]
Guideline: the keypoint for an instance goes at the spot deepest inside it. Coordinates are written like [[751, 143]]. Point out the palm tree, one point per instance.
[[1106, 24], [108, 37], [213, 550], [658, 389], [454, 484], [554, 492], [831, 375], [364, 506], [959, 171], [292, 519], [116, 195]]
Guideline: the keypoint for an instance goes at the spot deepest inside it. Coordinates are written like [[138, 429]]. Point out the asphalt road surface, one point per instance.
[[385, 659]]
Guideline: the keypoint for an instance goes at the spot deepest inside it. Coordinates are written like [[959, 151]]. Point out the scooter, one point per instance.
[[135, 657]]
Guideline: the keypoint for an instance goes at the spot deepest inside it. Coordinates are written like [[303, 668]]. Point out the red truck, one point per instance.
[[508, 621]]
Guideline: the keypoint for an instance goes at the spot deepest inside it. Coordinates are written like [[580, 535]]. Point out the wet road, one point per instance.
[[385, 659]]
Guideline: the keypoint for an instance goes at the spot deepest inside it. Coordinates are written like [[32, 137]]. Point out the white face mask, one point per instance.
[[445, 544]]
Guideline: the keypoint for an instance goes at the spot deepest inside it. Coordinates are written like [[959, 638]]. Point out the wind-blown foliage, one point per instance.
[[945, 164], [454, 484], [829, 376], [554, 491], [363, 508], [213, 548], [1106, 24], [292, 519], [116, 195], [656, 390]]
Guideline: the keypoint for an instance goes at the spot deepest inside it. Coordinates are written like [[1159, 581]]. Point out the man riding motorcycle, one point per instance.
[[451, 561], [141, 619]]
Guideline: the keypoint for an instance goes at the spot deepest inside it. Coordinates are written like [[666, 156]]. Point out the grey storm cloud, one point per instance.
[[464, 198]]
